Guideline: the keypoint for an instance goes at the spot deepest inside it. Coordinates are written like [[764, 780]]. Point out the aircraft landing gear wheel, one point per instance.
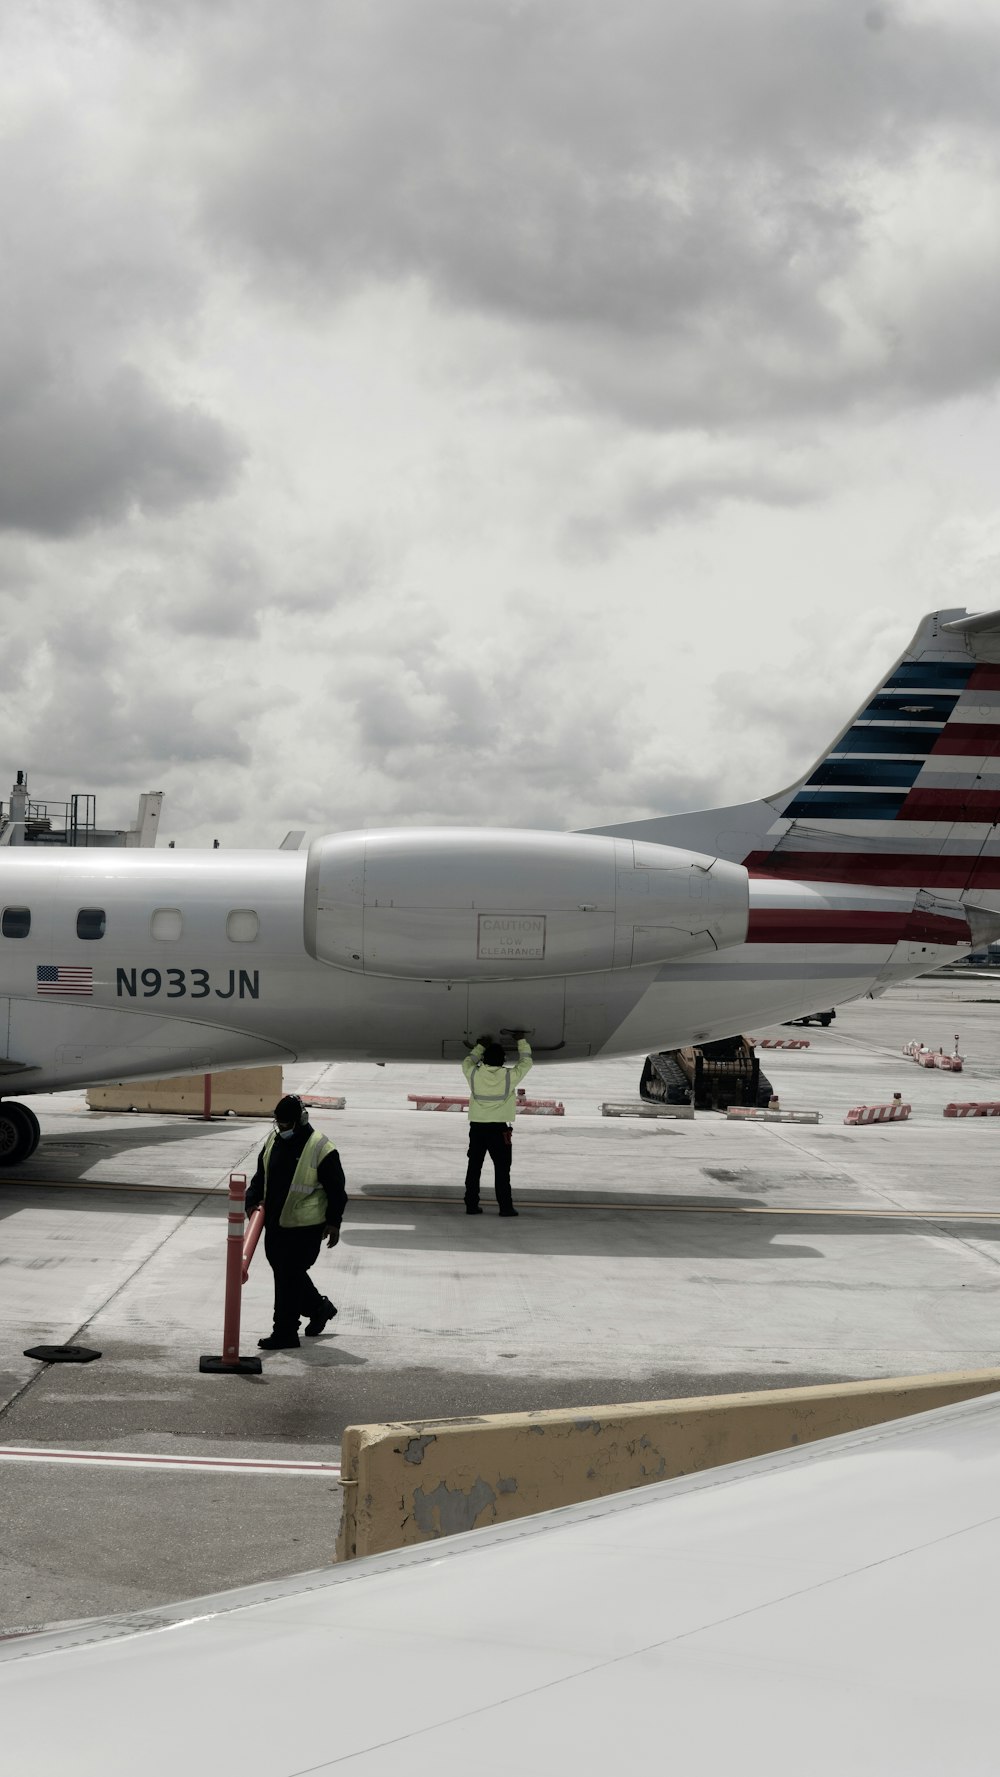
[[34, 1127], [19, 1133]]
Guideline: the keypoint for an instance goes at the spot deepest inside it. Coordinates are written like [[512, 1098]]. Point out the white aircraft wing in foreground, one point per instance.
[[828, 1610]]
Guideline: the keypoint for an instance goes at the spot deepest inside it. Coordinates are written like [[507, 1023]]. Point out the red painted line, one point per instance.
[[17, 1453], [878, 869], [951, 805], [970, 740], [777, 926]]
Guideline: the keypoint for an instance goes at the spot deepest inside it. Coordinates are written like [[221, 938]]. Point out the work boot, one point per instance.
[[473, 1209], [279, 1342], [509, 1212], [319, 1321]]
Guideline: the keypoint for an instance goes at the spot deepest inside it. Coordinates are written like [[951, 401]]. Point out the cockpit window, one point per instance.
[[15, 922], [91, 922]]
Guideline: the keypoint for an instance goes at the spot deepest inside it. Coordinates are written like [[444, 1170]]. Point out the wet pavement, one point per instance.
[[651, 1259]]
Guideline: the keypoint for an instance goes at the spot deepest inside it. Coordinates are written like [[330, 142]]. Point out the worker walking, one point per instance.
[[492, 1108], [300, 1181]]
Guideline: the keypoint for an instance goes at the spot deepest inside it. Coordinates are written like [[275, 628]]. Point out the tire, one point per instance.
[[34, 1126], [18, 1136]]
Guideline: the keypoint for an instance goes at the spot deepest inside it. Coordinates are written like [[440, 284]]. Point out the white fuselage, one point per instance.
[[177, 984]]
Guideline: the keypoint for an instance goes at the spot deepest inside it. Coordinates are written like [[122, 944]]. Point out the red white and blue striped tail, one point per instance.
[[908, 795]]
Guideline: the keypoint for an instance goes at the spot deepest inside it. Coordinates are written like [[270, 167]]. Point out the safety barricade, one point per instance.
[[431, 1101], [748, 1113], [984, 1108], [526, 1107], [324, 1104], [896, 1112], [779, 1042], [925, 1057], [230, 1363], [642, 1108]]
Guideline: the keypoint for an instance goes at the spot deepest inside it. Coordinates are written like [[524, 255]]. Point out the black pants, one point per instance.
[[290, 1252], [495, 1140]]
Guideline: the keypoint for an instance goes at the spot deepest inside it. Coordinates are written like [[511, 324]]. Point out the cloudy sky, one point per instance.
[[536, 412]]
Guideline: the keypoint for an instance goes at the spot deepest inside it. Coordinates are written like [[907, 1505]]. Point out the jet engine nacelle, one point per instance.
[[465, 904]]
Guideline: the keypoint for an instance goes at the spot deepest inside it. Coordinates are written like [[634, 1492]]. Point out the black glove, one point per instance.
[[481, 1042], [332, 1232]]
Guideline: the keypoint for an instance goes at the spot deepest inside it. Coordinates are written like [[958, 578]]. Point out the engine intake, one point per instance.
[[469, 904]]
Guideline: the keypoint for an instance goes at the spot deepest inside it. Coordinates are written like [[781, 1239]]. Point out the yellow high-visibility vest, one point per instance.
[[305, 1206]]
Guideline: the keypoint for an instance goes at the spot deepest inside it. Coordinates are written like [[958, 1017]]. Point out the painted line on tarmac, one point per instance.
[[99, 1184], [725, 1209], [529, 1203], [224, 1465]]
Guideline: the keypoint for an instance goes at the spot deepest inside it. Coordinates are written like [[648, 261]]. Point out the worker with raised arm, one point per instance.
[[300, 1182], [492, 1108]]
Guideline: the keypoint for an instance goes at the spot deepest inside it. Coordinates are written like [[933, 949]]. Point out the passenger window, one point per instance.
[[91, 922], [16, 922], [242, 925], [166, 923]]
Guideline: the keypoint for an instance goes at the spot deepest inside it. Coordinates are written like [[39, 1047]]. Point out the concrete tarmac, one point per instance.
[[651, 1259]]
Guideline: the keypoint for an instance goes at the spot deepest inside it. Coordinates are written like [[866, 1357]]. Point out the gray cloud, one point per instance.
[[327, 335], [92, 274], [689, 214], [646, 504], [510, 740], [73, 457], [93, 715]]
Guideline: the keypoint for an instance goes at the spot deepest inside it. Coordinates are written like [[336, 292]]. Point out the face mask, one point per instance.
[[285, 1134]]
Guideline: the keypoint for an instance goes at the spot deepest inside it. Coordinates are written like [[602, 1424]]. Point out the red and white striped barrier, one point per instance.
[[780, 1042], [879, 1113], [526, 1107], [746, 1113], [985, 1108], [924, 1057], [640, 1107]]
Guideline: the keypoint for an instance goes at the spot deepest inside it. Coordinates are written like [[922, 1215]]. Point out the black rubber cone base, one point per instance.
[[244, 1366], [62, 1354]]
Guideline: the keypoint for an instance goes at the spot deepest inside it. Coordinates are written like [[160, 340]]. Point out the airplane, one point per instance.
[[881, 863], [824, 1608]]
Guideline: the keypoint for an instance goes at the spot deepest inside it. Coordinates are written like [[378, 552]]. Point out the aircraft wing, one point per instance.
[[827, 1609]]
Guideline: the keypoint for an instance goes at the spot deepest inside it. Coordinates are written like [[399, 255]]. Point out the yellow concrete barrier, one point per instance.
[[248, 1091], [411, 1483]]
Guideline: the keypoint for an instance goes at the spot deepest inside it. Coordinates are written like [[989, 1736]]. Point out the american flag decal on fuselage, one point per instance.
[[64, 978]]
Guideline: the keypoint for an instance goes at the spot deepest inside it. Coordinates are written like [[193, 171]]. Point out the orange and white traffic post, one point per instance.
[[230, 1363]]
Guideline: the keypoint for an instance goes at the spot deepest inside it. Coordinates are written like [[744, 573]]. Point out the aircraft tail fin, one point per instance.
[[907, 795]]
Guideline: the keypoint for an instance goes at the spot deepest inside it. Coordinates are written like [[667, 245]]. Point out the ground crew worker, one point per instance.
[[492, 1108], [300, 1181]]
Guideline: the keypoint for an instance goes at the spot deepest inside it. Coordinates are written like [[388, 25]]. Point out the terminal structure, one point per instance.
[[74, 822]]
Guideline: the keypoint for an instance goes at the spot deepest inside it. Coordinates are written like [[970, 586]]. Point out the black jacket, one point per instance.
[[281, 1171]]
